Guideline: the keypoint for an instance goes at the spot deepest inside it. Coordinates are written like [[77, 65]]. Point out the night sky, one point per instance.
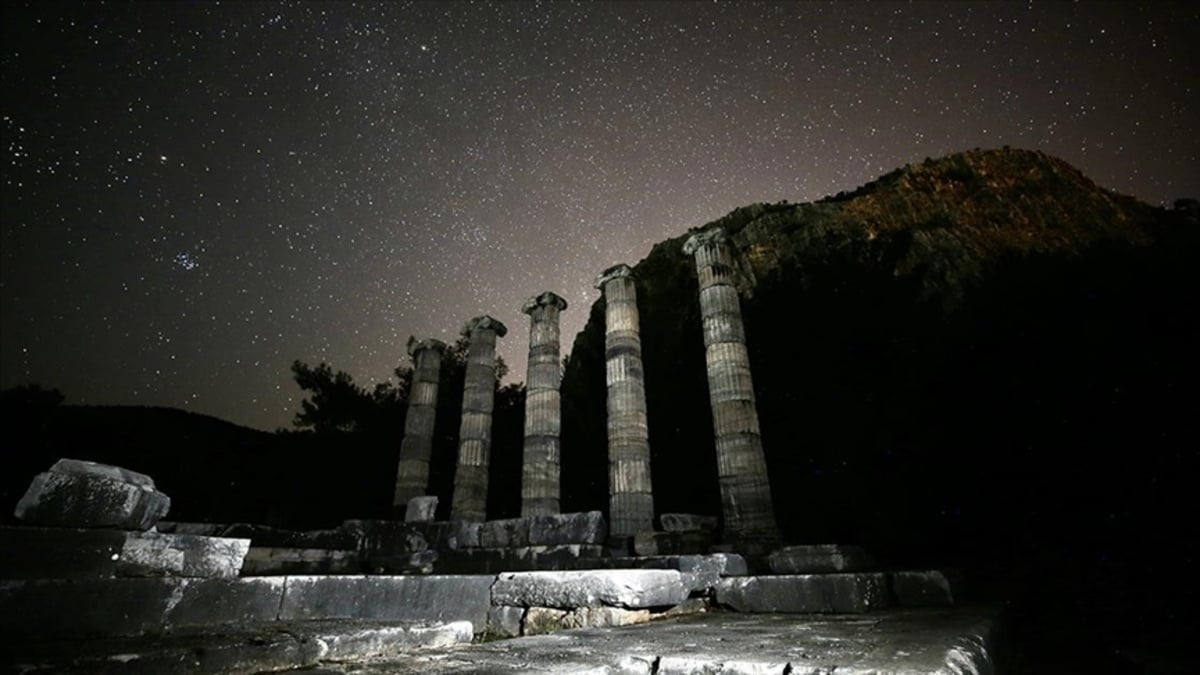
[[195, 195]]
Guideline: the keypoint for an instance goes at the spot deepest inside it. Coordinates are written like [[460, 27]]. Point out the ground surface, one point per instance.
[[912, 641]]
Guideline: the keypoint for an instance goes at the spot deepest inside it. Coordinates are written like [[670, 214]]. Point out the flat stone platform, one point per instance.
[[909, 642]]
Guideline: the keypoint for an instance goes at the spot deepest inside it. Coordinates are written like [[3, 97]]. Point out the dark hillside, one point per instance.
[[983, 360]]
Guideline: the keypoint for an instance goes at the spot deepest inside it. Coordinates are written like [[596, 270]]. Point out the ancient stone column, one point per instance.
[[742, 467], [412, 477], [475, 434], [543, 408], [631, 503]]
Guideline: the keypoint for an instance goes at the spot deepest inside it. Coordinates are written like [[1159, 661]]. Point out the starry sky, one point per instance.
[[196, 194]]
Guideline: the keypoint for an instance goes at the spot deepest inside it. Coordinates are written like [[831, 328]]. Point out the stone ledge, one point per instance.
[[282, 646], [805, 593], [61, 609], [71, 553], [388, 598], [628, 589], [279, 561]]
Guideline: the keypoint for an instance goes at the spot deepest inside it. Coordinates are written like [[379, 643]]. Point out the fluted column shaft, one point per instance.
[[631, 502], [540, 469], [412, 476], [742, 467], [475, 433]]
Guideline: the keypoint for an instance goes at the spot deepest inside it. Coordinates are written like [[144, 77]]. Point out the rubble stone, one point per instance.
[[74, 493], [421, 509]]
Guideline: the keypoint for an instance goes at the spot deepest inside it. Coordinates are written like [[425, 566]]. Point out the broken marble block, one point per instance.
[[629, 589], [75, 493], [684, 522], [588, 527], [421, 510], [541, 620]]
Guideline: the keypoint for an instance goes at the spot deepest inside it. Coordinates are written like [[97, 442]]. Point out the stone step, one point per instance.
[[76, 553], [281, 646], [41, 609], [836, 593]]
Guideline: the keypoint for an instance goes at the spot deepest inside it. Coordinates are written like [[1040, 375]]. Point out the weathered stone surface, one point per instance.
[[633, 589], [541, 620], [401, 563], [79, 467], [804, 594], [61, 553], [421, 509], [684, 522], [505, 621], [912, 642], [388, 536], [674, 543], [706, 569], [588, 527], [391, 641], [119, 607], [389, 598], [815, 559], [925, 588], [464, 534], [277, 646], [262, 535], [507, 533], [526, 558], [269, 560], [84, 494], [185, 555]]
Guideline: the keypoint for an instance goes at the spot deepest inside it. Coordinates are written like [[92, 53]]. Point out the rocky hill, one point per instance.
[[980, 350]]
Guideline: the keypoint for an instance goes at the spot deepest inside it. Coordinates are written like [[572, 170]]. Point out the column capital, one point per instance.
[[415, 345], [485, 322], [618, 271], [544, 299], [715, 235]]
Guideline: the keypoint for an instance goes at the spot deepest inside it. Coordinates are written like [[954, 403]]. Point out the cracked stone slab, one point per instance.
[[630, 589], [912, 642]]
